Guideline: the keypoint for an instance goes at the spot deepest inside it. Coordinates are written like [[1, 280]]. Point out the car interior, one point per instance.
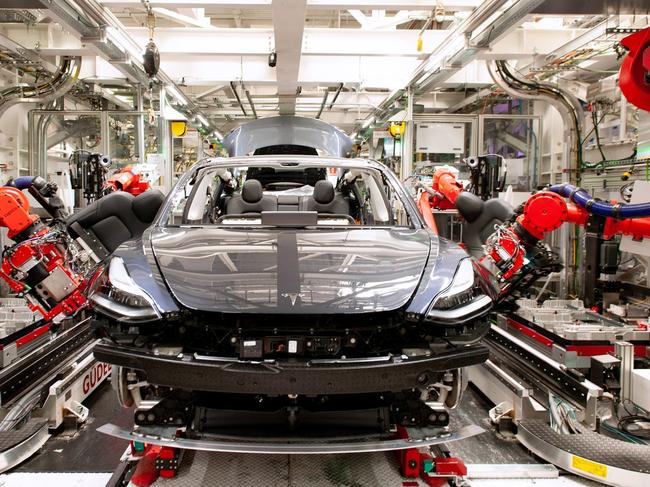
[[240, 195]]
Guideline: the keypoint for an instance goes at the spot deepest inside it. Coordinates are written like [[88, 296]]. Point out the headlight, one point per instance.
[[117, 295], [463, 300]]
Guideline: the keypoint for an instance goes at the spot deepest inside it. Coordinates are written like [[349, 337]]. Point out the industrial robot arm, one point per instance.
[[35, 266], [545, 212], [506, 249]]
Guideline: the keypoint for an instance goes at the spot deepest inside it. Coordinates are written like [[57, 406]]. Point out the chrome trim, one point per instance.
[[305, 446]]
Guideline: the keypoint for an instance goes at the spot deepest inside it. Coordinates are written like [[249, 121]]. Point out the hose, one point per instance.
[[566, 104], [62, 81], [583, 199]]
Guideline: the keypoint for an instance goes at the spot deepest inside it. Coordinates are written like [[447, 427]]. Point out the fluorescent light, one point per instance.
[[353, 135], [368, 122], [203, 120], [176, 93], [217, 134]]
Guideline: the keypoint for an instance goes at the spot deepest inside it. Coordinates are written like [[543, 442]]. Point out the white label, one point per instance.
[[250, 343], [293, 346]]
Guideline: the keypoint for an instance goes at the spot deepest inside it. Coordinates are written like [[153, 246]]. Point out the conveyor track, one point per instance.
[[21, 375]]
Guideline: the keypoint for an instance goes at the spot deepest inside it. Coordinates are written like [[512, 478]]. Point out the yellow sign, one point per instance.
[[588, 466]]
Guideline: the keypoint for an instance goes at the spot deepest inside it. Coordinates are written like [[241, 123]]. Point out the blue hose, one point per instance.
[[601, 208], [22, 182]]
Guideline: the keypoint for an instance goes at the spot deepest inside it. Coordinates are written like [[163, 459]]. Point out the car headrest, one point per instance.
[[251, 192], [323, 192], [146, 205]]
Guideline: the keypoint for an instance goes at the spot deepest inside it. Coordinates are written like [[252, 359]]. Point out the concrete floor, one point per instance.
[[88, 450]]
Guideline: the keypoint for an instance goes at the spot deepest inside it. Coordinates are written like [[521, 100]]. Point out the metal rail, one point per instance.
[[23, 374], [543, 373]]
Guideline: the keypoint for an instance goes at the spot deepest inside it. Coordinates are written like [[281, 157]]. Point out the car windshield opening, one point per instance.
[[291, 193]]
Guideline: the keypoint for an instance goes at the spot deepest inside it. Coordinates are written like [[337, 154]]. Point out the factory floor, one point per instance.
[[88, 458]]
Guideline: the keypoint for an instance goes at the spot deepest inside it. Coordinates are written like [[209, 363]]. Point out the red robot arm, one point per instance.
[[14, 211], [35, 266], [543, 212], [635, 69]]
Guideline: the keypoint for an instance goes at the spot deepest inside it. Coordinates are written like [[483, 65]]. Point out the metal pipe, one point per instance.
[[336, 96], [501, 24], [322, 105], [250, 102], [572, 134], [427, 23], [241, 105], [479, 16], [572, 121], [65, 77]]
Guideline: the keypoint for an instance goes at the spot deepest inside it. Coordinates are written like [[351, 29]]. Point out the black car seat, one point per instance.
[[325, 200], [114, 219], [480, 218], [251, 200]]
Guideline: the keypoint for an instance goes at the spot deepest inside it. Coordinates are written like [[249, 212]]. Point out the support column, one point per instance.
[[407, 138]]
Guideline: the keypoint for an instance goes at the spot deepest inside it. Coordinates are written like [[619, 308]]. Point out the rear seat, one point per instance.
[[323, 200]]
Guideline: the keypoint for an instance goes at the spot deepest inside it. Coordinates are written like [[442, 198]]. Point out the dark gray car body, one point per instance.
[[264, 282]]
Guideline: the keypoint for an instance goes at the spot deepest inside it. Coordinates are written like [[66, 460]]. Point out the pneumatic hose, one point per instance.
[[598, 207]]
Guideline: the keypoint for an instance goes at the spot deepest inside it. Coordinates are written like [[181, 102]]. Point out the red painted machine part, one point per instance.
[[145, 472], [445, 182], [425, 207], [14, 211], [128, 181], [632, 76]]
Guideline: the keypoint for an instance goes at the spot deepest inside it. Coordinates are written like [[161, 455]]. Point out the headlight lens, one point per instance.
[[117, 295], [463, 300]]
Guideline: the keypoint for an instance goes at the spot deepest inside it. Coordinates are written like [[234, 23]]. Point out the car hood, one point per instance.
[[318, 271]]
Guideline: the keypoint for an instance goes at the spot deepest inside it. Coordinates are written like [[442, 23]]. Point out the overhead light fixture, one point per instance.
[[353, 135], [203, 120], [368, 122], [217, 134], [176, 93]]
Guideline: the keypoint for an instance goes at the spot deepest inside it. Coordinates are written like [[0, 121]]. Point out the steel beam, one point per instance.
[[288, 27]]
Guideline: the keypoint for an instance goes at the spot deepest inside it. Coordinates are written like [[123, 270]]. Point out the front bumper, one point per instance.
[[291, 376]]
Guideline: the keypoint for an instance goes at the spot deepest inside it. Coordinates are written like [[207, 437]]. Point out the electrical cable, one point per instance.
[[535, 87], [635, 425], [597, 133]]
